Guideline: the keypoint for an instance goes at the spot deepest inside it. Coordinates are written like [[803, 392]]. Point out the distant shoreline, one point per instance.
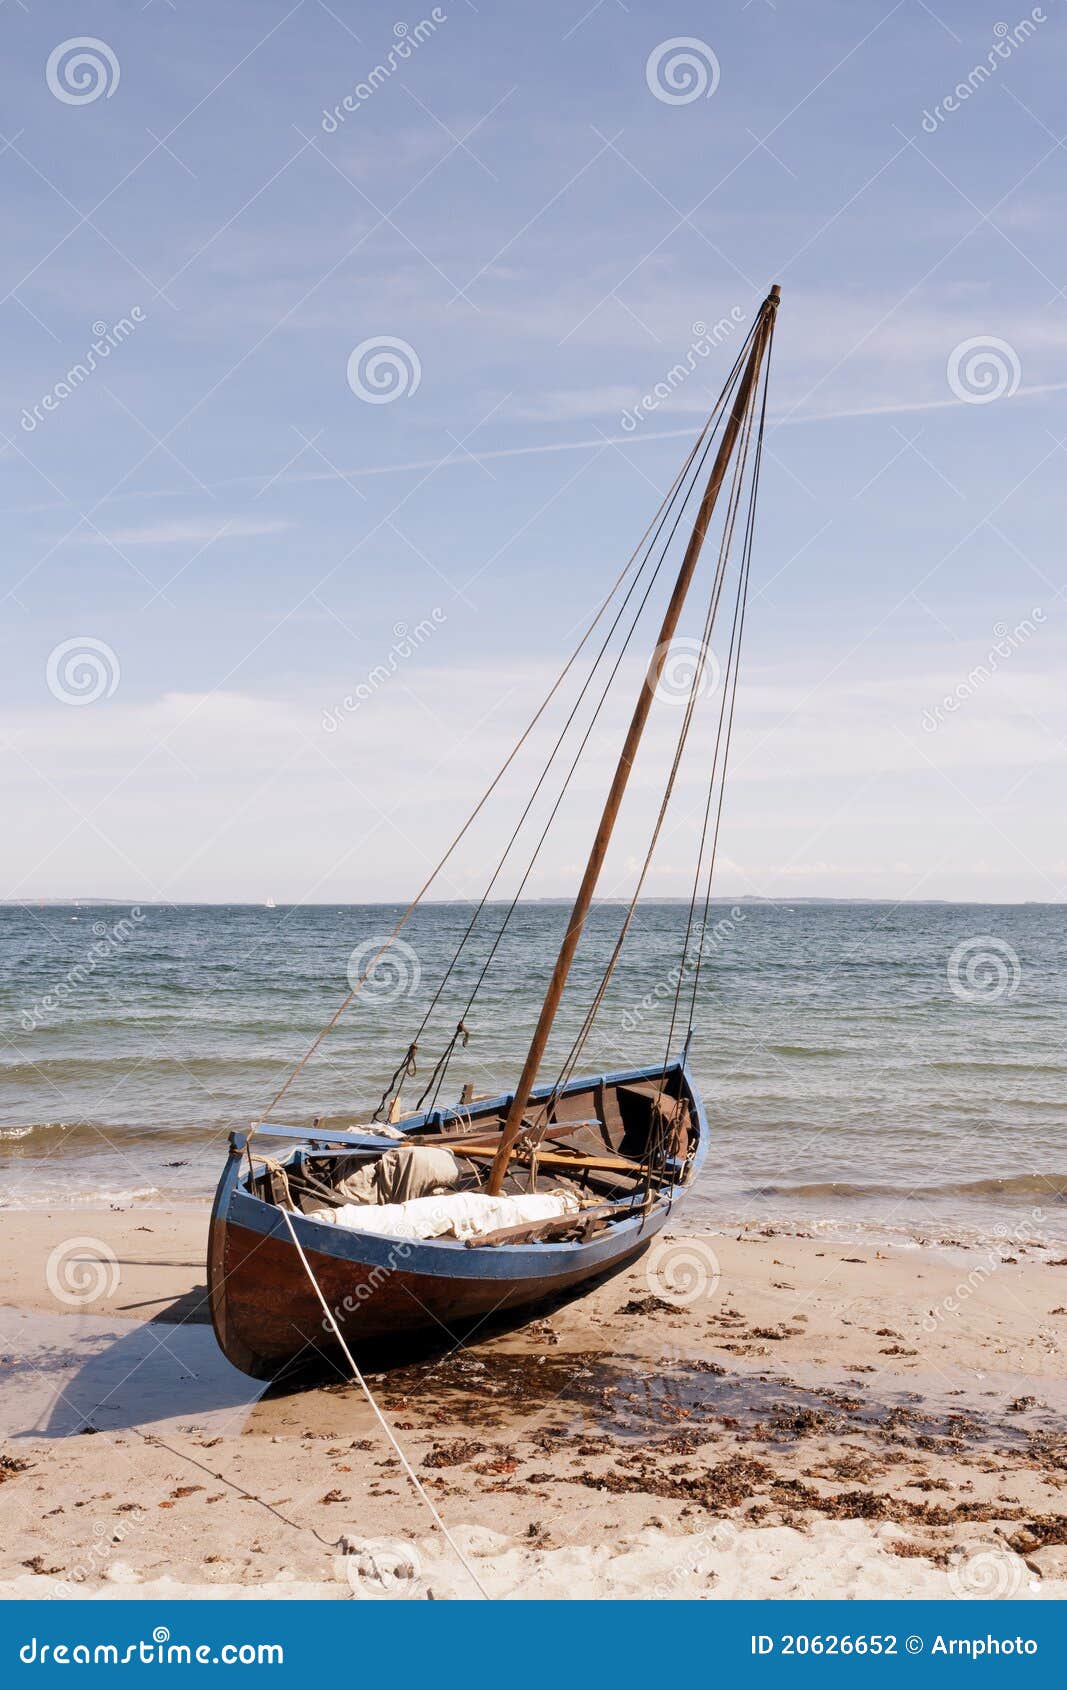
[[747, 899]]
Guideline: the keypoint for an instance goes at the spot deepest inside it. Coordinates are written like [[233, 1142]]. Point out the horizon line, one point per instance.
[[78, 900]]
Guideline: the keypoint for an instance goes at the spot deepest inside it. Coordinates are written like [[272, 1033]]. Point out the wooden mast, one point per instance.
[[527, 1080]]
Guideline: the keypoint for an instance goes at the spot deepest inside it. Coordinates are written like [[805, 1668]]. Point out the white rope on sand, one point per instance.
[[382, 1421]]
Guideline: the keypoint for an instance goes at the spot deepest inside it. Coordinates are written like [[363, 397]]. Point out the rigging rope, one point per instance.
[[733, 506], [585, 738], [657, 1150], [436, 1080], [475, 812], [406, 1066], [382, 1421], [664, 509], [705, 439], [733, 673], [651, 536]]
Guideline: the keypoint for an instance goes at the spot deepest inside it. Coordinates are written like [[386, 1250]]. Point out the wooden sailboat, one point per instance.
[[615, 1152]]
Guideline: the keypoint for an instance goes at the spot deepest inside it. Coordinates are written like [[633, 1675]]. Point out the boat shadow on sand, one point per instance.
[[168, 1375], [167, 1371], [99, 1374]]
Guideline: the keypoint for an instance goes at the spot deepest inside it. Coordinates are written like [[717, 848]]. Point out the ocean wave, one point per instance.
[[19, 1131], [968, 1066], [1051, 1187], [102, 1134], [808, 1050], [86, 1197], [68, 1070]]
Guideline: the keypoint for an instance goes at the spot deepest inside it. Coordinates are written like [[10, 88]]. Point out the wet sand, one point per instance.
[[767, 1414]]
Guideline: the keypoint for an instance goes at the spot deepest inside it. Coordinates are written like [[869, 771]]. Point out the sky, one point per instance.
[[385, 300]]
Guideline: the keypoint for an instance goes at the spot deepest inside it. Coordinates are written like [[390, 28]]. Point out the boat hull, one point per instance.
[[267, 1315]]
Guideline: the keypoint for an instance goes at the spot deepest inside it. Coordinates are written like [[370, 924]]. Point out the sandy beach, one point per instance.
[[799, 1416]]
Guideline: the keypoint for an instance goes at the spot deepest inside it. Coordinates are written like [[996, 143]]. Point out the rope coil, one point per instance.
[[404, 1070]]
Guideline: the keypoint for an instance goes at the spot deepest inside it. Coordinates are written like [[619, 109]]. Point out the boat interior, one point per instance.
[[605, 1142]]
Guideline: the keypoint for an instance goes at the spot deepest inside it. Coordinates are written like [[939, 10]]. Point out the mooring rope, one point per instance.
[[382, 1421]]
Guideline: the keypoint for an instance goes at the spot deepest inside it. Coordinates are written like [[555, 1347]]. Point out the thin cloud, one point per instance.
[[244, 528], [639, 437], [192, 531]]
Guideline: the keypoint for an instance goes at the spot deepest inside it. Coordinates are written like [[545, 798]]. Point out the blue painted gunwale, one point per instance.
[[449, 1258]]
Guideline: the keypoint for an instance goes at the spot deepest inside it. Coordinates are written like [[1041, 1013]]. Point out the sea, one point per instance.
[[896, 1069]]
